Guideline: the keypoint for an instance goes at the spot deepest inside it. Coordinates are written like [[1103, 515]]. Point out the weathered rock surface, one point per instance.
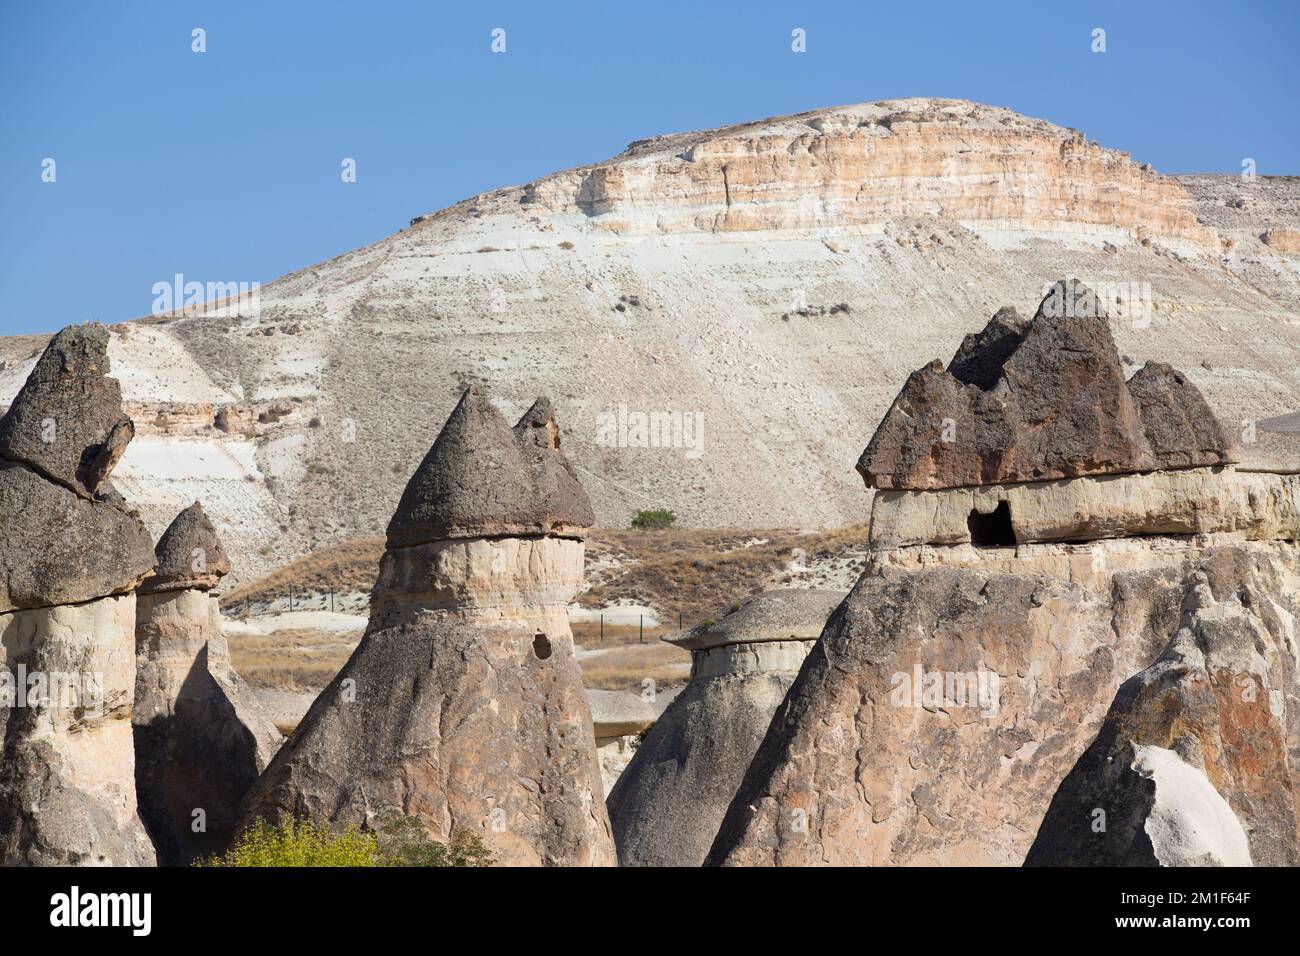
[[668, 803], [67, 421], [942, 706], [1196, 761], [67, 770], [1180, 427], [68, 552], [59, 548], [1190, 501], [189, 554], [1039, 401], [201, 737], [463, 705], [483, 478]]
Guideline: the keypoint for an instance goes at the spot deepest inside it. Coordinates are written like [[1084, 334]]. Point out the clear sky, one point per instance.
[[225, 165]]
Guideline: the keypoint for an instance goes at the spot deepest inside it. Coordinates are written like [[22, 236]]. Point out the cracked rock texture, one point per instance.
[[1039, 401], [1221, 702], [942, 707]]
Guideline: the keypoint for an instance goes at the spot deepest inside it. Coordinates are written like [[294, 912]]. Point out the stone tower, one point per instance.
[[668, 803], [201, 738], [463, 705], [71, 556]]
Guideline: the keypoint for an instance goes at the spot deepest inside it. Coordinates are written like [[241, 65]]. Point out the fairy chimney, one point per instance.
[[463, 705], [668, 804], [201, 738], [71, 556]]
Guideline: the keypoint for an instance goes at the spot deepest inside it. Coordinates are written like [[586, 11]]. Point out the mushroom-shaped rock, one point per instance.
[[67, 421], [463, 705], [1038, 401], [189, 554], [71, 555], [201, 737], [668, 803]]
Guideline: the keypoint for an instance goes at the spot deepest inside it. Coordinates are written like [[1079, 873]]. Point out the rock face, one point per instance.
[[362, 357], [668, 803], [201, 738], [936, 716], [69, 558], [67, 422], [1039, 401], [1190, 501], [463, 705], [1196, 761]]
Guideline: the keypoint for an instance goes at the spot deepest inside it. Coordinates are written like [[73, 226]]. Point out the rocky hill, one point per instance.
[[756, 293]]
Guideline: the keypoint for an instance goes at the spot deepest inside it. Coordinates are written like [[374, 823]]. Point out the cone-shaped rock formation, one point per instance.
[[1040, 400], [668, 803], [201, 738], [70, 557], [463, 705]]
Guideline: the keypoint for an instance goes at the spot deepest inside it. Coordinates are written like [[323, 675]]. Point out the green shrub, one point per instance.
[[654, 518], [299, 843], [401, 841]]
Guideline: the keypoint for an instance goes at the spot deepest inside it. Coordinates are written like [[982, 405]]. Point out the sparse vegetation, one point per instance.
[[400, 842], [654, 518]]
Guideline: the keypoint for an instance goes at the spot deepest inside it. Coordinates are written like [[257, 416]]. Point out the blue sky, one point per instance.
[[225, 165]]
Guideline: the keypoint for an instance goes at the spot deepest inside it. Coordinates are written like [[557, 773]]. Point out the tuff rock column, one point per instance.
[[669, 802], [201, 738], [71, 555], [463, 704]]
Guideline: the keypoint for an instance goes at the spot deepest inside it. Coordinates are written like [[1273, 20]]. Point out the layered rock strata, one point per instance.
[[201, 737], [70, 557], [668, 803], [463, 705]]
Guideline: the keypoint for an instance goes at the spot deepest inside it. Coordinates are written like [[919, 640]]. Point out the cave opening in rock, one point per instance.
[[541, 647], [992, 530]]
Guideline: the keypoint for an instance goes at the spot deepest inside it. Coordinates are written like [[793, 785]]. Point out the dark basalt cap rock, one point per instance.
[[483, 478], [67, 421], [1180, 427], [189, 555], [59, 548], [1037, 401], [794, 614]]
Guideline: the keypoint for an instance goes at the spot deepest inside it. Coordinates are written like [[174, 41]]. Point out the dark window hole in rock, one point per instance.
[[541, 647], [992, 530]]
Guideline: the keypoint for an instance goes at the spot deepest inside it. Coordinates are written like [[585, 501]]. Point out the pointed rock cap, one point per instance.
[[483, 478], [189, 555], [1180, 427], [795, 614], [1039, 401], [67, 421]]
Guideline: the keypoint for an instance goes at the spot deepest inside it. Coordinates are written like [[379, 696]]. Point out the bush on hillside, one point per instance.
[[654, 518]]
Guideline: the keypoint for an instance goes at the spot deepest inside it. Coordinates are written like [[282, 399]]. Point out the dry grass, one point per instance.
[[694, 573], [348, 566], [628, 667], [294, 659]]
